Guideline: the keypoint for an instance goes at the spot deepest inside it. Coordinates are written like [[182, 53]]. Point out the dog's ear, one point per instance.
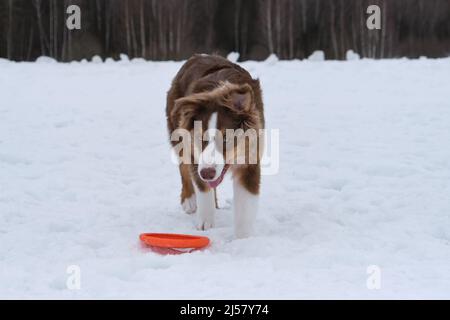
[[240, 99], [183, 112]]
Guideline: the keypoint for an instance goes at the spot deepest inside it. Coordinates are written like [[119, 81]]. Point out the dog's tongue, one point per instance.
[[215, 183]]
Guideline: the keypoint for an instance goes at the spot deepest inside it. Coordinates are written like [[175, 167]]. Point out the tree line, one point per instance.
[[175, 29]]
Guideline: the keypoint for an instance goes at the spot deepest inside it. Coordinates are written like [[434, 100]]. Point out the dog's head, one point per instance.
[[224, 126]]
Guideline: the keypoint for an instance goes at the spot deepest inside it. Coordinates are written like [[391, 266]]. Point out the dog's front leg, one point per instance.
[[205, 208], [245, 203]]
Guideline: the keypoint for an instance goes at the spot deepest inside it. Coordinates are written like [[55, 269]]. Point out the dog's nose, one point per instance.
[[208, 173]]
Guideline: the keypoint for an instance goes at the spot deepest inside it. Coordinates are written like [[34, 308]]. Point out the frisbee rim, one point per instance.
[[174, 240]]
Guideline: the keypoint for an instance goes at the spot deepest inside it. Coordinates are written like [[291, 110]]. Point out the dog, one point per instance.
[[217, 103]]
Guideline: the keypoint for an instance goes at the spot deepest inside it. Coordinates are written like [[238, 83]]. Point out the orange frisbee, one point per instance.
[[174, 243]]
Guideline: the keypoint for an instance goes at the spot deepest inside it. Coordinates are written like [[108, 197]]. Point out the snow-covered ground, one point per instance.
[[364, 180]]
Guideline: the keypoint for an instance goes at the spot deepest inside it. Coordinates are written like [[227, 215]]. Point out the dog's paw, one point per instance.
[[206, 222], [190, 204]]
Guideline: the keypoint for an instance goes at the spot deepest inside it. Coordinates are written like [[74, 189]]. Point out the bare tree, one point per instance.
[[175, 29]]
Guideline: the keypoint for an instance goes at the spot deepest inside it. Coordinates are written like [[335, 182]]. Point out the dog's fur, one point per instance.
[[220, 94]]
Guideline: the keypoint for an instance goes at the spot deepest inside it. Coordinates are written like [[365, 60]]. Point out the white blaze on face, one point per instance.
[[211, 158]]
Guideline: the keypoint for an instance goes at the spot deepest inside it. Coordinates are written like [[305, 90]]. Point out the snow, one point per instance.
[[97, 59], [351, 55], [363, 181], [233, 56], [271, 60], [317, 56]]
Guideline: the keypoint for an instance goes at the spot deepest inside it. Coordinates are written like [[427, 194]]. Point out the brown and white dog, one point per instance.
[[218, 103]]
